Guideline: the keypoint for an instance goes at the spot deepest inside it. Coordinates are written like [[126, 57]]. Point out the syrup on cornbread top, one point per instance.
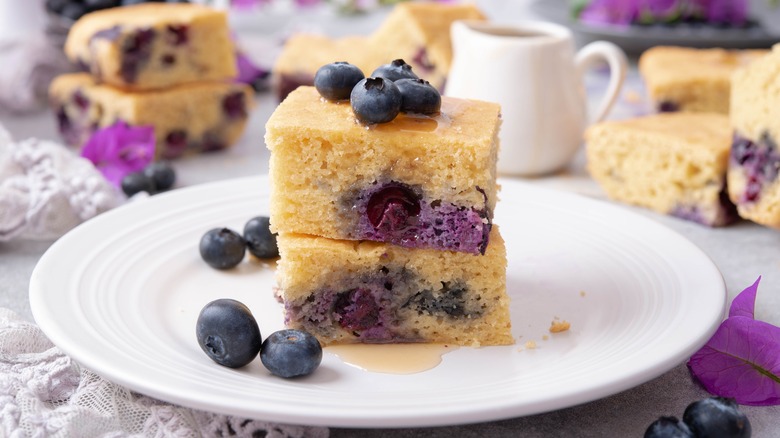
[[755, 97], [708, 132], [663, 66], [469, 124]]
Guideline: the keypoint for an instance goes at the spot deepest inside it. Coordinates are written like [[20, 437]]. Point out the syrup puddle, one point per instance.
[[391, 358]]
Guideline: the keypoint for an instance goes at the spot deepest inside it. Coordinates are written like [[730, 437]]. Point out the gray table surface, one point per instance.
[[742, 252]]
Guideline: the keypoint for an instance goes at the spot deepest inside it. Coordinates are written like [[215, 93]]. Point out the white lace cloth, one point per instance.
[[46, 189], [43, 393]]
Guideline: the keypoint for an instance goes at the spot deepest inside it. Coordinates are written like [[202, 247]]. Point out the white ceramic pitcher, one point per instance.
[[532, 70]]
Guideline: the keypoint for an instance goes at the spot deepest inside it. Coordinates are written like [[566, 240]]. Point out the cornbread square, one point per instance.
[[303, 54], [673, 163], [369, 292], [417, 181], [153, 45], [755, 159], [688, 79], [202, 116], [419, 33]]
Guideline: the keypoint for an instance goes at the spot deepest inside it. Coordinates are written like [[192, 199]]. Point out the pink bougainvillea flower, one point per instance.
[[248, 72], [742, 359], [120, 149]]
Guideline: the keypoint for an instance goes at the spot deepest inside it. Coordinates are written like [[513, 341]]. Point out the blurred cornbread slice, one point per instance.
[[305, 53], [418, 33], [201, 116], [369, 292], [417, 181], [692, 80], [153, 45], [673, 163], [755, 159]]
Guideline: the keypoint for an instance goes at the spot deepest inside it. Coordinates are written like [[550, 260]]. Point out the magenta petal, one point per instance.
[[120, 149], [744, 304], [742, 361]]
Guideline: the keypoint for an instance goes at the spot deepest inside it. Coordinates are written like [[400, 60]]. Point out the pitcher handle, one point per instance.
[[616, 59]]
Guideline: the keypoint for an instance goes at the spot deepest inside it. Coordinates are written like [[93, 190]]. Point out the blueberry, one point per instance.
[[418, 96], [222, 248], [55, 6], [260, 241], [668, 427], [228, 333], [162, 175], [291, 353], [375, 100], [234, 105], [336, 80], [137, 182], [396, 70], [94, 5], [392, 206], [716, 417], [74, 11]]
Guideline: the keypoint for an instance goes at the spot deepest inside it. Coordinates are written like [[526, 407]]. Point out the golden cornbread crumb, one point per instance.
[[182, 43], [312, 270], [530, 345], [696, 80], [673, 163], [557, 326]]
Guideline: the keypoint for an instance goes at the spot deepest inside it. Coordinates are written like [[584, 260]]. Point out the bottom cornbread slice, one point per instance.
[[369, 292]]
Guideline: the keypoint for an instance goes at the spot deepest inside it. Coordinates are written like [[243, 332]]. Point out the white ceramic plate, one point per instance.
[[121, 294]]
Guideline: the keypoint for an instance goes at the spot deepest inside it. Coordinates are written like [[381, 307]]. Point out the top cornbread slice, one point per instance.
[[695, 80], [153, 45], [322, 159]]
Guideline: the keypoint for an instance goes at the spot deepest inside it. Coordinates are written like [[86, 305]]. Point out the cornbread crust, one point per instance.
[[696, 80], [97, 41], [196, 109], [755, 115], [319, 153], [311, 269], [673, 163]]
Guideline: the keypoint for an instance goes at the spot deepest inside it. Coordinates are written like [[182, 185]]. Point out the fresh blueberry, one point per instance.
[[716, 417], [56, 6], [396, 70], [375, 100], [137, 182], [418, 96], [668, 427], [73, 10], [94, 5], [228, 333], [222, 248], [162, 175], [260, 241], [291, 353], [336, 80]]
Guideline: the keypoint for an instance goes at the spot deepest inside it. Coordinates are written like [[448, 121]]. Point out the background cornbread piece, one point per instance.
[[755, 159], [418, 33], [329, 172], [350, 292], [305, 53], [200, 116], [672, 163], [688, 79], [153, 45]]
